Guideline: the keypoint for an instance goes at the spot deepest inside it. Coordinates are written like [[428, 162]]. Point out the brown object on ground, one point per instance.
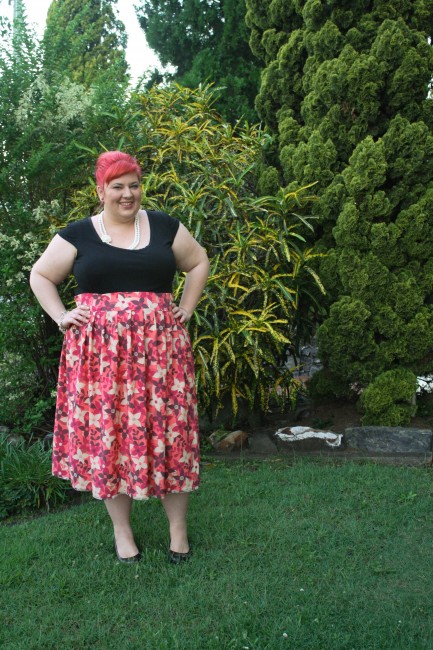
[[234, 440]]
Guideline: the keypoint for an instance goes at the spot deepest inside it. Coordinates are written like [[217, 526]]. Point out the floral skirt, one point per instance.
[[126, 417]]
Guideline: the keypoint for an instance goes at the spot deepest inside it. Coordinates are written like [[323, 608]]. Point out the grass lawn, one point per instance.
[[287, 555]]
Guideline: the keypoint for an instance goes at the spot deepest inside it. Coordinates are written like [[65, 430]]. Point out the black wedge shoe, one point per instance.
[[127, 560], [178, 558]]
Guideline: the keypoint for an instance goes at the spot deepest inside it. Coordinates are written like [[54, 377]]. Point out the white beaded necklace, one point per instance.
[[106, 237]]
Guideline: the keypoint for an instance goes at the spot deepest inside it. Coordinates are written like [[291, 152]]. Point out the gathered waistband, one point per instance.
[[129, 300]]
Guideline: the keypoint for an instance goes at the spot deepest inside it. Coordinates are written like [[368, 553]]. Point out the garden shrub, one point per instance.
[[26, 479], [346, 95], [18, 391], [325, 385], [262, 287], [390, 399]]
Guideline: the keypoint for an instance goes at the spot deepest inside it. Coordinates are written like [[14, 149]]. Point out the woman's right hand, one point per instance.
[[77, 316]]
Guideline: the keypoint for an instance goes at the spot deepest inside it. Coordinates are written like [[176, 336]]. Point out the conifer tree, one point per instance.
[[206, 41], [346, 91], [83, 38]]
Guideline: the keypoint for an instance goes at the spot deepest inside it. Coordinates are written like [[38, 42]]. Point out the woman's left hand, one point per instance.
[[181, 314]]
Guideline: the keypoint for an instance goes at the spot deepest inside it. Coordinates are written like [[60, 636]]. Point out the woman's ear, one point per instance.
[[100, 191]]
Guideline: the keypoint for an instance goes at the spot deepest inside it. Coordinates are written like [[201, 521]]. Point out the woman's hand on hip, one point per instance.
[[77, 316], [181, 314]]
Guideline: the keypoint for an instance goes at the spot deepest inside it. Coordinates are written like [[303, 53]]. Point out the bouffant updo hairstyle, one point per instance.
[[112, 164]]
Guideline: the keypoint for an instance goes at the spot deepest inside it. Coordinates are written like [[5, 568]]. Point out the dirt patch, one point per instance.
[[333, 415]]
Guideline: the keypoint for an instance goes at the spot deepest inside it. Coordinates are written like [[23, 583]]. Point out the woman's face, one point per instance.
[[121, 197]]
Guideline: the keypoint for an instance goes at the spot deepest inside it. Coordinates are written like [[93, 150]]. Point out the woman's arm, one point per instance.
[[192, 259], [54, 265]]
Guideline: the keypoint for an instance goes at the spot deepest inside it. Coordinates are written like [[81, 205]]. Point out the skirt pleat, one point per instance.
[[126, 417]]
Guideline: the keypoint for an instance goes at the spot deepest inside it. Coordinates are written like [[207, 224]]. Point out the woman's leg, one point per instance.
[[176, 508], [119, 510]]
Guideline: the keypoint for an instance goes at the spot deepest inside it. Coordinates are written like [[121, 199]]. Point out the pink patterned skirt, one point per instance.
[[126, 416]]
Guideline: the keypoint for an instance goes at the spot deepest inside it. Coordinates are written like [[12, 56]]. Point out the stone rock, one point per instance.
[[390, 439], [302, 412], [308, 439], [261, 443], [48, 441], [15, 439], [234, 440]]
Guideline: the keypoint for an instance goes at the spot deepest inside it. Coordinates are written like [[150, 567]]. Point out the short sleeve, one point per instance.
[[175, 223], [171, 224], [72, 233], [163, 226]]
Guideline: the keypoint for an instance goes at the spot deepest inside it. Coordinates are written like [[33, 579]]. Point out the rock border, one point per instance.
[[398, 445]]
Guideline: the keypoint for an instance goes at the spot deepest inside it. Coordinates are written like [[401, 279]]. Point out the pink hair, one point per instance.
[[112, 164]]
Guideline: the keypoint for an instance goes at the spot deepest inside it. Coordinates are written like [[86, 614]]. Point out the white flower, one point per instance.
[[139, 462], [80, 456], [72, 101], [160, 373], [185, 457], [160, 447], [81, 415], [187, 486], [96, 492], [72, 358], [121, 459], [81, 484], [157, 403], [114, 388], [64, 467], [178, 385], [94, 419], [112, 345], [108, 440], [151, 305], [79, 386], [141, 493], [134, 419], [172, 434], [121, 303], [95, 462]]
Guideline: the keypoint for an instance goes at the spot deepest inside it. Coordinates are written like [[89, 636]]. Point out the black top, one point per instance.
[[102, 268]]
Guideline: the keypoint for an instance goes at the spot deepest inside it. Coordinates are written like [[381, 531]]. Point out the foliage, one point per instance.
[[201, 170], [40, 164], [19, 388], [196, 167], [345, 93], [84, 40], [390, 398], [206, 41], [26, 478], [424, 402]]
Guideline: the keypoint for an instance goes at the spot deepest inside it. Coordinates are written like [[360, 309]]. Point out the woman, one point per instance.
[[126, 417]]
